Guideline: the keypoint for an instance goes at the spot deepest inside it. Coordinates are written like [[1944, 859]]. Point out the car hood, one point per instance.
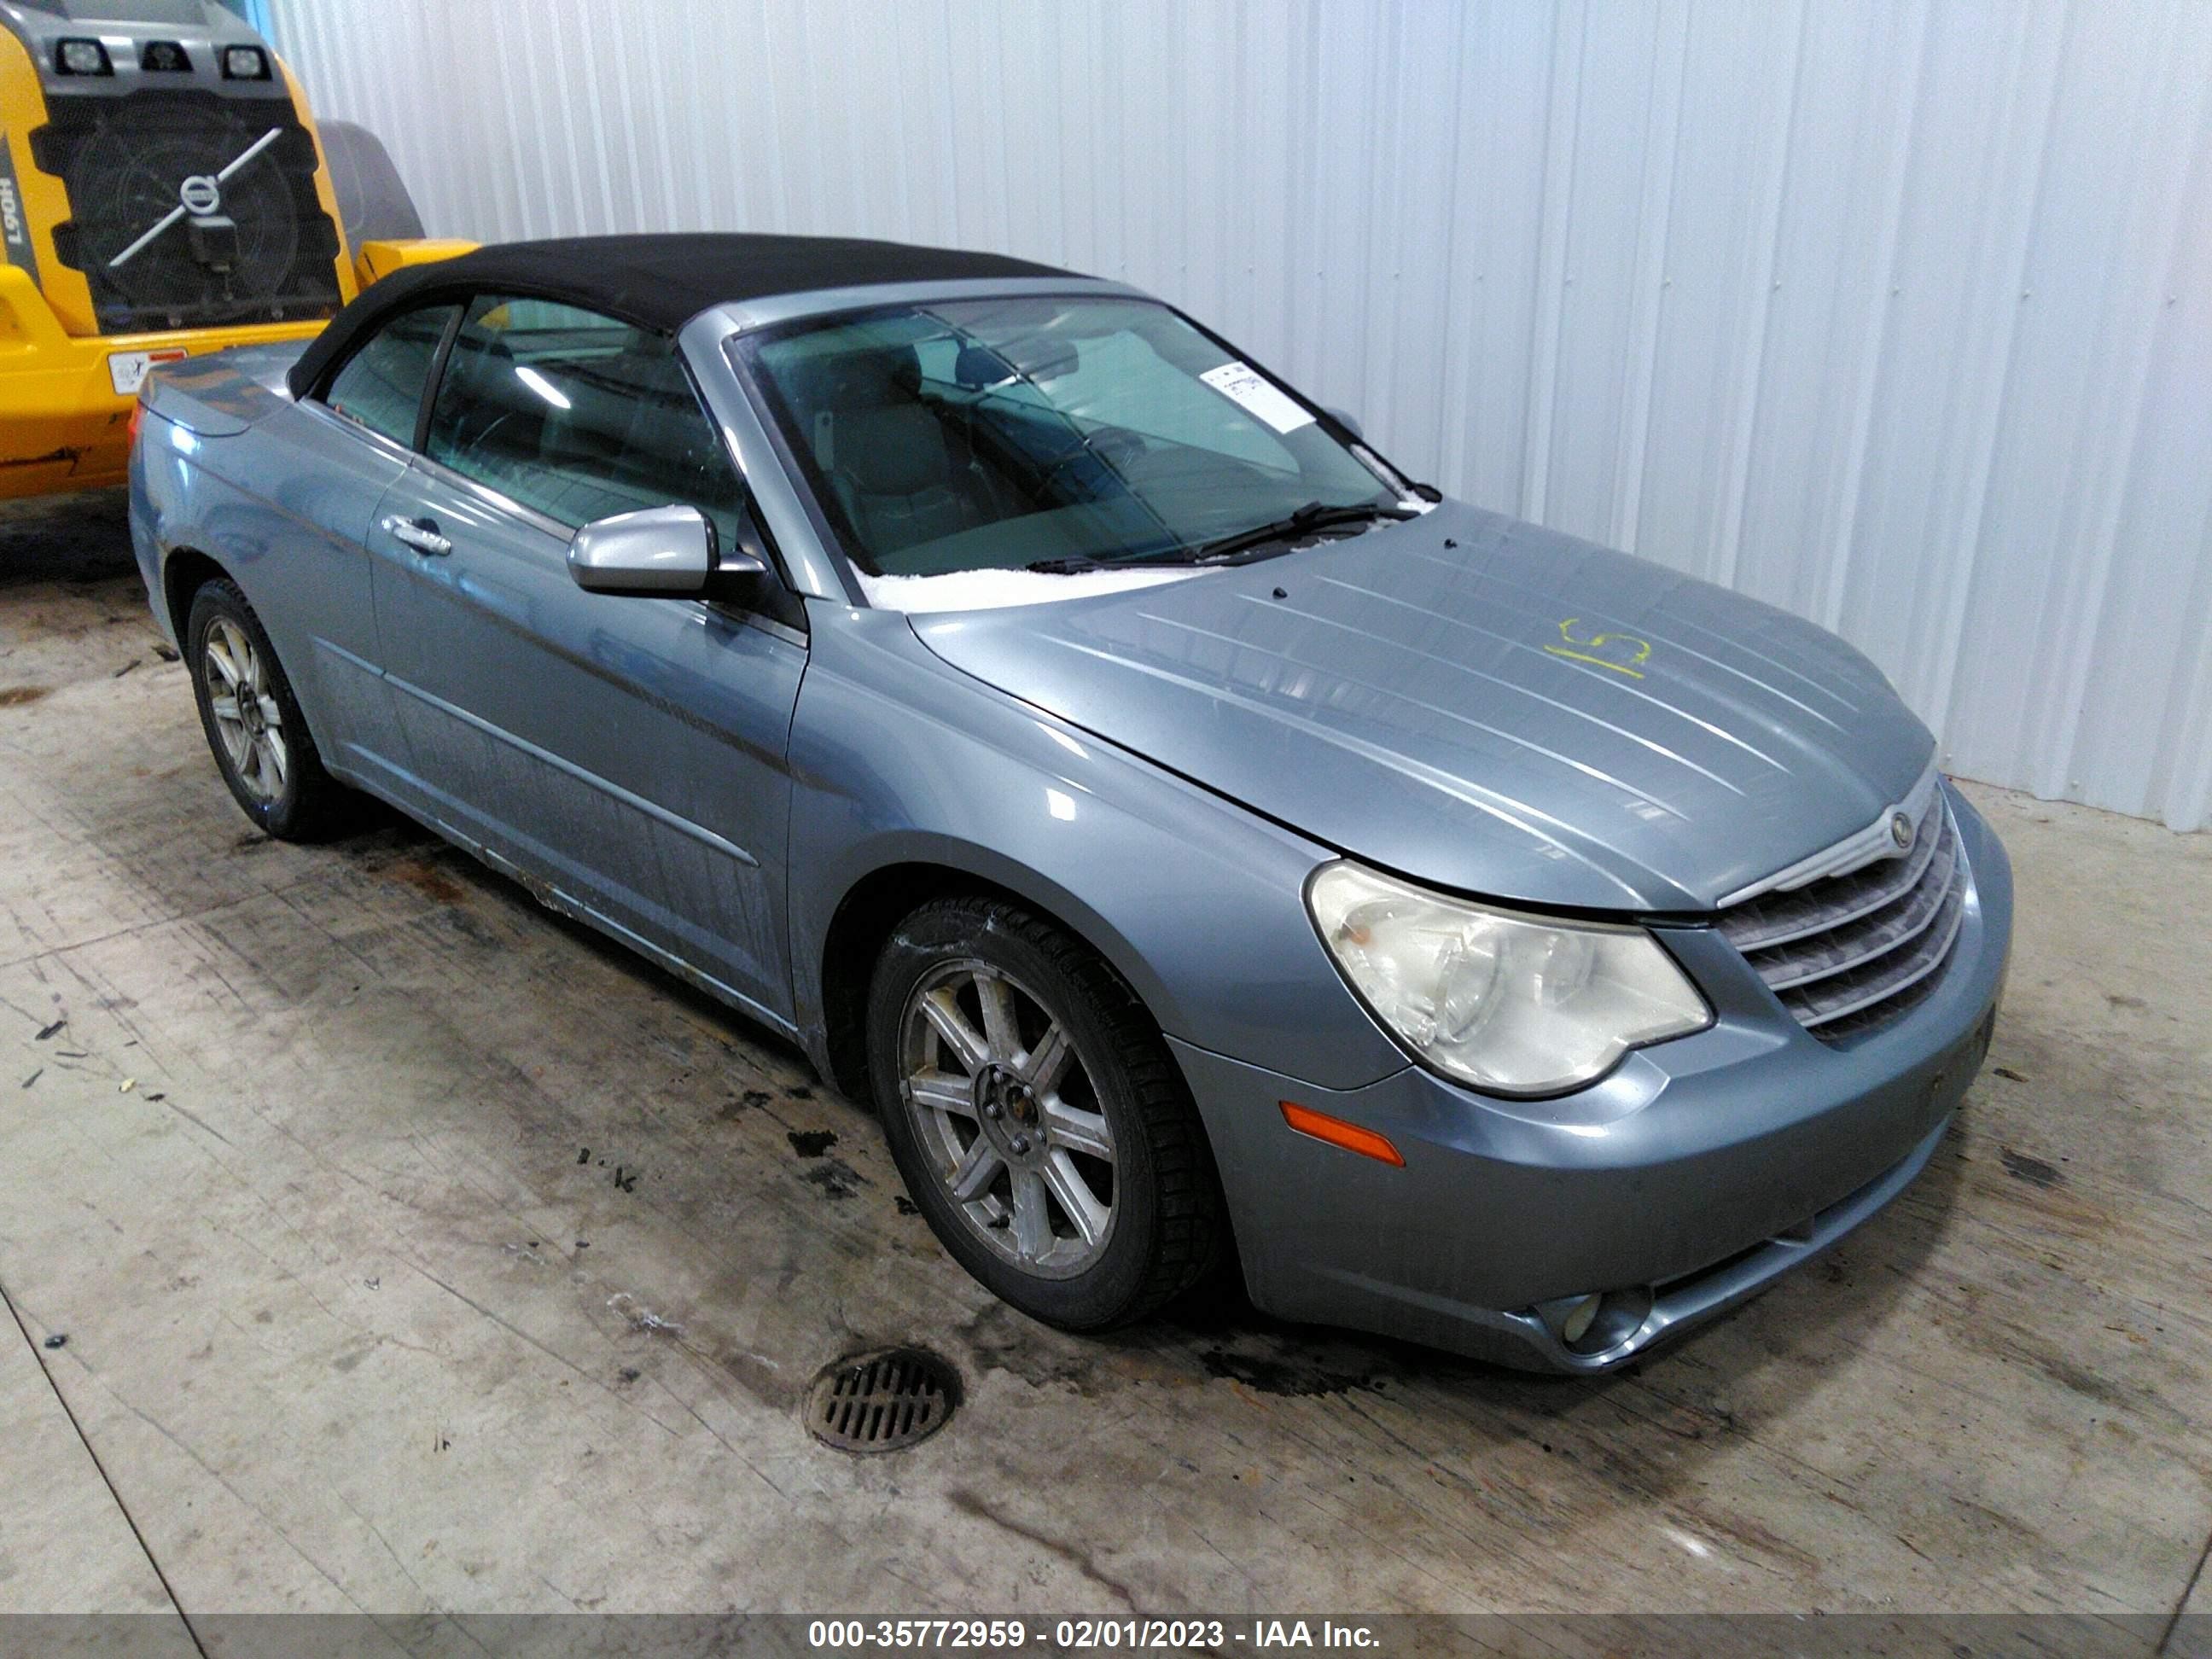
[[1484, 705]]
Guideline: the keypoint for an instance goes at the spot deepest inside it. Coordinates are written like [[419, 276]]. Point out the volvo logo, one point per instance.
[[200, 194], [1900, 829]]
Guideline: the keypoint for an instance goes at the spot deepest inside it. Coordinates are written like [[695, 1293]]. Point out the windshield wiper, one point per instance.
[[1226, 549], [1314, 515], [1080, 564]]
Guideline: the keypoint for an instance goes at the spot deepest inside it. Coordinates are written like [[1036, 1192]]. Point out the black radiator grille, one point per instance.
[[125, 161], [1852, 951]]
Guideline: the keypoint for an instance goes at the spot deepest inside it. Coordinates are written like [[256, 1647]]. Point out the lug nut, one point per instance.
[[991, 1109], [1020, 1144]]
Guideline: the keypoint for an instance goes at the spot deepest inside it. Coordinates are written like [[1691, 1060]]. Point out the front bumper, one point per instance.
[[1697, 1173]]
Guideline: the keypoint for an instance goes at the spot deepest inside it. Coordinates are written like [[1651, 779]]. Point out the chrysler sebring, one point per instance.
[[1198, 841]]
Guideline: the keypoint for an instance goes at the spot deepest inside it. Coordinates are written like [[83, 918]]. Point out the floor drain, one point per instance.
[[882, 1401]]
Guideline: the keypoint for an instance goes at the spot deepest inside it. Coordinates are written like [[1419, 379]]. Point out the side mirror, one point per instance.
[[1345, 418], [661, 551]]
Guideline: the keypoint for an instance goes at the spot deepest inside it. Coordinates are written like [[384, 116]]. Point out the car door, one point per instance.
[[335, 455], [629, 752]]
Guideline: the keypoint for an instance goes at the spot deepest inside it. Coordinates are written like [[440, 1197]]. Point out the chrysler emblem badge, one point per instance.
[[1900, 831]]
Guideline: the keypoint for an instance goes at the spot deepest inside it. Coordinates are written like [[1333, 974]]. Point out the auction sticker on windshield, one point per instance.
[[1244, 387]]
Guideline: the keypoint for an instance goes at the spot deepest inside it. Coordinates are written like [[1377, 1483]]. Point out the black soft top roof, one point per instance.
[[657, 282]]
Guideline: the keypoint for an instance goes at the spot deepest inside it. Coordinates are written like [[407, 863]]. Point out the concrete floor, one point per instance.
[[416, 1251]]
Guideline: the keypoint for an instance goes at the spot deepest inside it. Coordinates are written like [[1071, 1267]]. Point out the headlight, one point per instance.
[[1508, 1003]]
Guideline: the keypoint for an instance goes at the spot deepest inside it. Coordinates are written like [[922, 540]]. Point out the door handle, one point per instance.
[[421, 534]]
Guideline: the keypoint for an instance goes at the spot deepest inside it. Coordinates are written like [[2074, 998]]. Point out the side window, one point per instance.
[[381, 385], [578, 417]]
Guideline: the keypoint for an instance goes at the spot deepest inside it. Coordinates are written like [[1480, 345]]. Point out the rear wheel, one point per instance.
[[1038, 1120], [254, 723]]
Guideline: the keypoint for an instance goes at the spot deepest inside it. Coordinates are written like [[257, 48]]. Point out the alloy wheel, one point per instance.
[[1007, 1113], [247, 715]]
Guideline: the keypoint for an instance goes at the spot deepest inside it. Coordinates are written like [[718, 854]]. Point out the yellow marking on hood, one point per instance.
[[1640, 652]]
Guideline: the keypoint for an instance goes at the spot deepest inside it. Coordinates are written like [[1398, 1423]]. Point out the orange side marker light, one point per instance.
[[1335, 1131]]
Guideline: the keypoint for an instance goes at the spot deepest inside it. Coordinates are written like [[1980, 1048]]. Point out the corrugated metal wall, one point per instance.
[[1894, 313]]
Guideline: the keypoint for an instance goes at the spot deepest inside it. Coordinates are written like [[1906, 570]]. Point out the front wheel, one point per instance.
[[1037, 1117]]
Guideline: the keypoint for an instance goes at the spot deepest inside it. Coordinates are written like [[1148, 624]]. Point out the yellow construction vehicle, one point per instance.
[[164, 191]]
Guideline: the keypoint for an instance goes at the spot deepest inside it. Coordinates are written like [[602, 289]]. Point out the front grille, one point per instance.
[[1849, 952], [264, 253]]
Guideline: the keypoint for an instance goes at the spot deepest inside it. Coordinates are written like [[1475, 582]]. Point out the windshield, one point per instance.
[[1057, 432]]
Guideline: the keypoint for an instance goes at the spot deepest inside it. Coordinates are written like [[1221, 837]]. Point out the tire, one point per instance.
[[264, 750], [1040, 1113]]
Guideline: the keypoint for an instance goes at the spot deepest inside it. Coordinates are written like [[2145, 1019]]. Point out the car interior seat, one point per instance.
[[902, 473]]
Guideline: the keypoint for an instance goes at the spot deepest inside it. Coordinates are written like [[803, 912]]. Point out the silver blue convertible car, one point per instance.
[[1198, 841]]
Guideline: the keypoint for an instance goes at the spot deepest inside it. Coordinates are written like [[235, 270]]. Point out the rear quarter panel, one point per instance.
[[282, 507]]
